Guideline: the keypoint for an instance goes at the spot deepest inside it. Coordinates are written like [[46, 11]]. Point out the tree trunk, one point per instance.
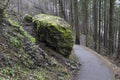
[[61, 9], [99, 27], [111, 38], [105, 25], [71, 14], [118, 49], [77, 41], [95, 18], [85, 19]]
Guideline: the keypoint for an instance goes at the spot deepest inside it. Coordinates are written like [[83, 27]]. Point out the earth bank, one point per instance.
[[22, 58]]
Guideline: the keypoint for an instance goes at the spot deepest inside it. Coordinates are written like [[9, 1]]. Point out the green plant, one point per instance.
[[15, 42]]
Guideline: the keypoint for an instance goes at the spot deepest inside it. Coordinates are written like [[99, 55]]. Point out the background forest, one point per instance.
[[95, 22]]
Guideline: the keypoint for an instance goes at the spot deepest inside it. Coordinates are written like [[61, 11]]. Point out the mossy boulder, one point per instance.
[[55, 32]]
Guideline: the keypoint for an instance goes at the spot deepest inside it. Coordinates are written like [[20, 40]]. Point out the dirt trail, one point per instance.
[[93, 67]]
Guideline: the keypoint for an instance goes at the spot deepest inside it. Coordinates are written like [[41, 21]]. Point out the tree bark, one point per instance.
[[95, 18], [77, 41], [61, 9], [111, 38], [71, 14], [118, 49], [99, 27], [105, 25], [85, 19]]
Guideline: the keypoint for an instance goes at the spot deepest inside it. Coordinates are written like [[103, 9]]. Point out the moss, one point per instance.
[[51, 20], [15, 42], [18, 72], [23, 32], [55, 32]]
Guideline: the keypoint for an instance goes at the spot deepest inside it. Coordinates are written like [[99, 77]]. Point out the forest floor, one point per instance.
[[93, 65], [116, 66]]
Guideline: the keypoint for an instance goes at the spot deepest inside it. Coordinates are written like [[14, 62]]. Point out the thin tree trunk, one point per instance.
[[61, 9], [111, 38], [85, 19], [71, 14], [99, 27], [118, 49], [95, 18], [76, 22], [105, 24]]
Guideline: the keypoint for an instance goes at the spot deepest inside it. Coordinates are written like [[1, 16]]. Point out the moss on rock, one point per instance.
[[55, 32], [22, 31]]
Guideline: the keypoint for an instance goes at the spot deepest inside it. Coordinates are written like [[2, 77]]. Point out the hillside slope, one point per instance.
[[22, 59]]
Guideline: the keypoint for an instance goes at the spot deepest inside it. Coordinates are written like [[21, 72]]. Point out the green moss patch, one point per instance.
[[17, 72], [22, 31], [15, 42]]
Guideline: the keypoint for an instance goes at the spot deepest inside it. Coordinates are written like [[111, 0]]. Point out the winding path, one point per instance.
[[93, 67]]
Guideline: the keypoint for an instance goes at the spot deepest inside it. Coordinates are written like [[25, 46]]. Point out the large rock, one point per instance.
[[55, 32]]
